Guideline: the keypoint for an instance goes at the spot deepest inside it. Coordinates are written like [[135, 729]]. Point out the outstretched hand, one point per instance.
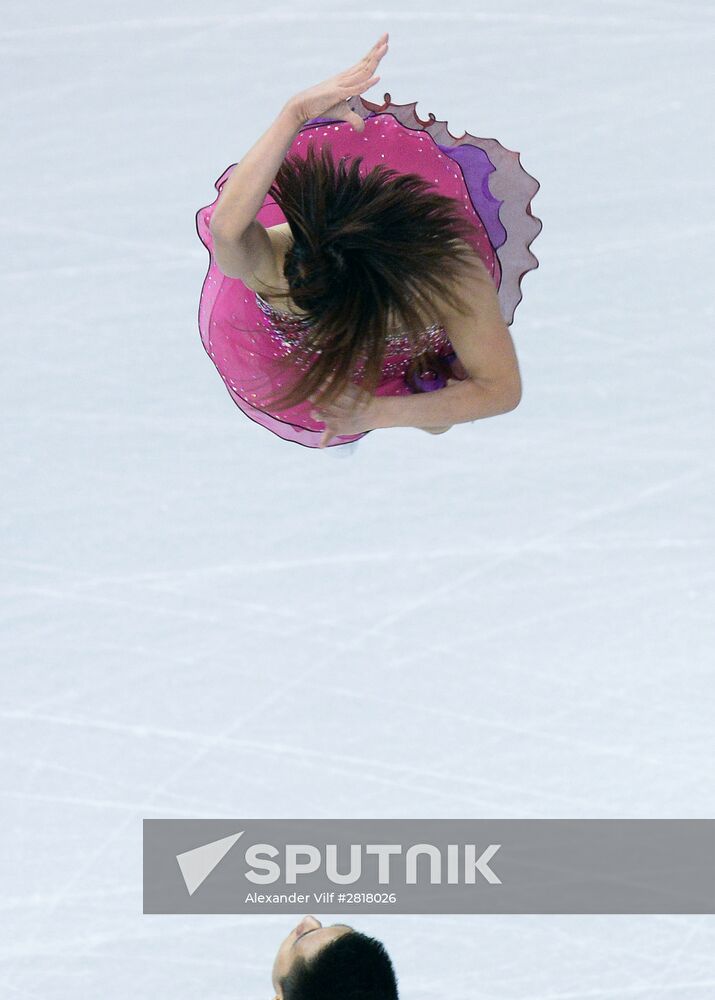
[[329, 98]]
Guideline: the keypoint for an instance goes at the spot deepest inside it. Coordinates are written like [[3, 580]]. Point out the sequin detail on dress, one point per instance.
[[287, 328]]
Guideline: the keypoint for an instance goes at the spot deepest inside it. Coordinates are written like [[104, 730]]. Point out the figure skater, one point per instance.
[[396, 259], [321, 963]]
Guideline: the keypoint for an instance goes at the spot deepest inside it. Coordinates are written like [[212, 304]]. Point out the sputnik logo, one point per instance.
[[196, 865], [304, 860]]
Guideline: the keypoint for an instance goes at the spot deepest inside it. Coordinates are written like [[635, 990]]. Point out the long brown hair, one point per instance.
[[367, 252]]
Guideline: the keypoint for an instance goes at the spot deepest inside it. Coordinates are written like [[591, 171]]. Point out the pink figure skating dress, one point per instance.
[[244, 335]]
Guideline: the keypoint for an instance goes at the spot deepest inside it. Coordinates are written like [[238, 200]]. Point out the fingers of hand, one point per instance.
[[345, 407], [379, 48], [368, 62], [355, 81], [373, 54], [370, 83]]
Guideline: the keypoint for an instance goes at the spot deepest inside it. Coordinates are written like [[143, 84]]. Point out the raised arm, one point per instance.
[[245, 190]]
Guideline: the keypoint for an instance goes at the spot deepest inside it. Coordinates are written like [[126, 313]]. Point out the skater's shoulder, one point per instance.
[[255, 257], [472, 285]]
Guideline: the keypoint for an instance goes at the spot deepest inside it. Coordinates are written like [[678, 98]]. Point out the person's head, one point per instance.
[[325, 963], [368, 255]]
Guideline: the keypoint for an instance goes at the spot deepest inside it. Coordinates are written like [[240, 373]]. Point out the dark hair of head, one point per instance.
[[351, 967], [369, 255]]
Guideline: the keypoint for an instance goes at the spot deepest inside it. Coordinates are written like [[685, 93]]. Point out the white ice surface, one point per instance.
[[199, 619]]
